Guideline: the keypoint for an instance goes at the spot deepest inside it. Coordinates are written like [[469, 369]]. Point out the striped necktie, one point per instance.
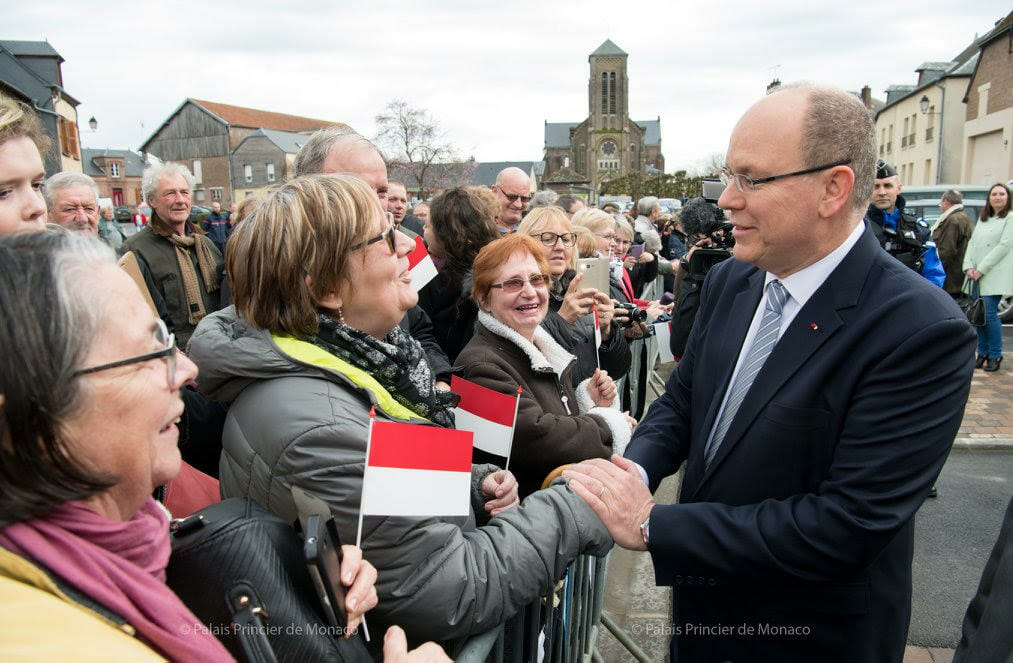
[[763, 344]]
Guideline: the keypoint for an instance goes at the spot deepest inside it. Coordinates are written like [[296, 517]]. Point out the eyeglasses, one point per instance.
[[609, 236], [387, 234], [517, 284], [512, 197], [746, 183], [549, 239], [162, 337]]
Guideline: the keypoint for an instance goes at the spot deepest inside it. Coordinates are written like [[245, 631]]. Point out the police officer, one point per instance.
[[902, 236]]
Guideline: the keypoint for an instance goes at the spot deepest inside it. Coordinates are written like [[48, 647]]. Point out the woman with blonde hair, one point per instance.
[[22, 144], [570, 320]]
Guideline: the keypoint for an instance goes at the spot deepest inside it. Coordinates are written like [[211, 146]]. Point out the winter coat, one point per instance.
[[990, 251], [300, 416], [556, 423], [43, 619], [951, 234], [420, 327], [452, 311]]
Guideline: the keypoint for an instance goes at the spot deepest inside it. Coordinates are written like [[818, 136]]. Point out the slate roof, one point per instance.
[[557, 134], [485, 172], [30, 48], [286, 141], [608, 48], [133, 166], [934, 66], [260, 119]]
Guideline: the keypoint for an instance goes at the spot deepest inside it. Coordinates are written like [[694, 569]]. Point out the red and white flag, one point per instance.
[[421, 265], [488, 414], [663, 332], [416, 471], [597, 326]]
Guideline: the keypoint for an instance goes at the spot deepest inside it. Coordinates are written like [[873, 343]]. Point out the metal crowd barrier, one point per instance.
[[561, 627]]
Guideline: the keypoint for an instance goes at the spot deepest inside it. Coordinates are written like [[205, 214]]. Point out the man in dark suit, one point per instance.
[[817, 400]]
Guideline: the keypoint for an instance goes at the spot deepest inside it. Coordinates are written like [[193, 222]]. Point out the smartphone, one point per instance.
[[636, 251], [322, 549], [596, 273]]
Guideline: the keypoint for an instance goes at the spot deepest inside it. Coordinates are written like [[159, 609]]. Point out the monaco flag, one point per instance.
[[421, 265], [488, 414], [416, 471]]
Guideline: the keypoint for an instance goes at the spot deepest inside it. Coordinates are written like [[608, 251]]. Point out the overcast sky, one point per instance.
[[490, 74]]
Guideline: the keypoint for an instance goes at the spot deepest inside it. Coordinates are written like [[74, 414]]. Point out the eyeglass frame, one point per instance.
[[387, 233], [168, 353], [545, 280], [513, 197], [727, 176], [558, 237]]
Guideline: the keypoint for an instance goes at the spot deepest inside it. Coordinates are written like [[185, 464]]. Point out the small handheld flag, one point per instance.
[[421, 265]]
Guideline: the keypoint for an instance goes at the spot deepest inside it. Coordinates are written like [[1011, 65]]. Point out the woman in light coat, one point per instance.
[[989, 263]]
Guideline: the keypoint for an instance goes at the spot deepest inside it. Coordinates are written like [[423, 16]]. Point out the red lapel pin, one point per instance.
[[815, 326]]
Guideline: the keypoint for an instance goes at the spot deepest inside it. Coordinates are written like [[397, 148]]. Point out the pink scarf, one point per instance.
[[120, 565]]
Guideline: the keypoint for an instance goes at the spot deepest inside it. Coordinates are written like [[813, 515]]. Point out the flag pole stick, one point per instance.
[[597, 336], [365, 470], [517, 405]]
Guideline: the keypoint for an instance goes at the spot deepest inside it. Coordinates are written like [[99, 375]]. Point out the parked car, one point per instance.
[[198, 213]]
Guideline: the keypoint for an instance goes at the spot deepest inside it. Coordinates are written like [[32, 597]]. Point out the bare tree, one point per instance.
[[710, 166], [413, 142]]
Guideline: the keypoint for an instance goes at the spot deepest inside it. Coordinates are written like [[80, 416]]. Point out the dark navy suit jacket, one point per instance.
[[801, 529]]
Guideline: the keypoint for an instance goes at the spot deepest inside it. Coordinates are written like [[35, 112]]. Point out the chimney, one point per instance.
[[867, 96]]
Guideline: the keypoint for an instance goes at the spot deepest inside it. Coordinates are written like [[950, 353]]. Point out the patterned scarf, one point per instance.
[[397, 362], [205, 260]]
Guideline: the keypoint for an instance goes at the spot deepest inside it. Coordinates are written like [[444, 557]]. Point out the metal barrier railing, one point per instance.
[[563, 626]]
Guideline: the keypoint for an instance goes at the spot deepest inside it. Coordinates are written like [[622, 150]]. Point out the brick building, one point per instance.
[[203, 134], [117, 173], [581, 156], [988, 127]]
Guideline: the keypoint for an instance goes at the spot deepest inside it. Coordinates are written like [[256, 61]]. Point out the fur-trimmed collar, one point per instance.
[[545, 353]]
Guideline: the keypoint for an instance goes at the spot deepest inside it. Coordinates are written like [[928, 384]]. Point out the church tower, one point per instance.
[[608, 151]]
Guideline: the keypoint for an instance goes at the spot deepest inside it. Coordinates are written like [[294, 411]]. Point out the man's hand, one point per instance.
[[441, 385], [395, 649], [359, 576], [500, 491], [616, 492]]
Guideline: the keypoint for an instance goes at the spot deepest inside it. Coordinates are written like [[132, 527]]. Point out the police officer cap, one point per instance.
[[884, 170]]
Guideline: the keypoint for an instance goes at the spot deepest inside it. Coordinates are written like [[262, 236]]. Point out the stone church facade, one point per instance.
[[581, 157]]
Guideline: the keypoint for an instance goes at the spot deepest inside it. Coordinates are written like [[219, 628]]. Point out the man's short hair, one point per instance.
[[953, 196], [646, 205], [838, 126], [154, 174], [544, 198], [567, 201], [65, 180], [391, 183], [311, 157]]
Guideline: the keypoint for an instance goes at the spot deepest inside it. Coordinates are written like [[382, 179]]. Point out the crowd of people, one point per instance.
[[255, 350]]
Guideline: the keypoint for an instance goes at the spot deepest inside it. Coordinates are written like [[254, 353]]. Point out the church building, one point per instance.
[[581, 156]]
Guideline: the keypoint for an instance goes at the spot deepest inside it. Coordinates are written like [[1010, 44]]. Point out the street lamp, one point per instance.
[[924, 104], [93, 123]]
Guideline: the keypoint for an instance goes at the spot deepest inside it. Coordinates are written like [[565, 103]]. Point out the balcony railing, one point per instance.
[[911, 140], [903, 142], [928, 134]]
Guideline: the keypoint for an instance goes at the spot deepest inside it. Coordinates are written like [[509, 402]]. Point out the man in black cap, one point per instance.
[[905, 238]]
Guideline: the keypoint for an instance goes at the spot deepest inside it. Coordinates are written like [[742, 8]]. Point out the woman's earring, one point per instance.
[[341, 316]]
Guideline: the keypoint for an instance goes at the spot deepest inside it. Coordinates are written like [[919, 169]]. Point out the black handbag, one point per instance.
[[973, 305], [242, 572]]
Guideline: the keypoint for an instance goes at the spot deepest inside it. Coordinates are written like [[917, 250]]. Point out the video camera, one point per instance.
[[702, 218]]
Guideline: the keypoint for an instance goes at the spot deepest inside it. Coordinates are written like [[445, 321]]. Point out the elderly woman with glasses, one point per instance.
[[89, 407], [556, 422], [320, 280], [570, 320]]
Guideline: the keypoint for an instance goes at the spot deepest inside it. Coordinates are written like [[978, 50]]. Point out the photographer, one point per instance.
[[710, 240]]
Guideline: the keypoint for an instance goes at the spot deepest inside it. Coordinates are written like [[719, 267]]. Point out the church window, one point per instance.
[[604, 92], [612, 93]]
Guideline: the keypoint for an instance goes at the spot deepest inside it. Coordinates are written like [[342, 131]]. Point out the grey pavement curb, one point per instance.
[[984, 444]]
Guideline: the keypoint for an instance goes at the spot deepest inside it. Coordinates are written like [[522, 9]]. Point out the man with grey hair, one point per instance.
[[648, 211], [513, 190], [340, 150], [72, 201], [951, 233], [543, 198], [185, 264], [571, 204], [817, 400]]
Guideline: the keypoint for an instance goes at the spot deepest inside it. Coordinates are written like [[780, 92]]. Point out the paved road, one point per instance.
[[954, 535]]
